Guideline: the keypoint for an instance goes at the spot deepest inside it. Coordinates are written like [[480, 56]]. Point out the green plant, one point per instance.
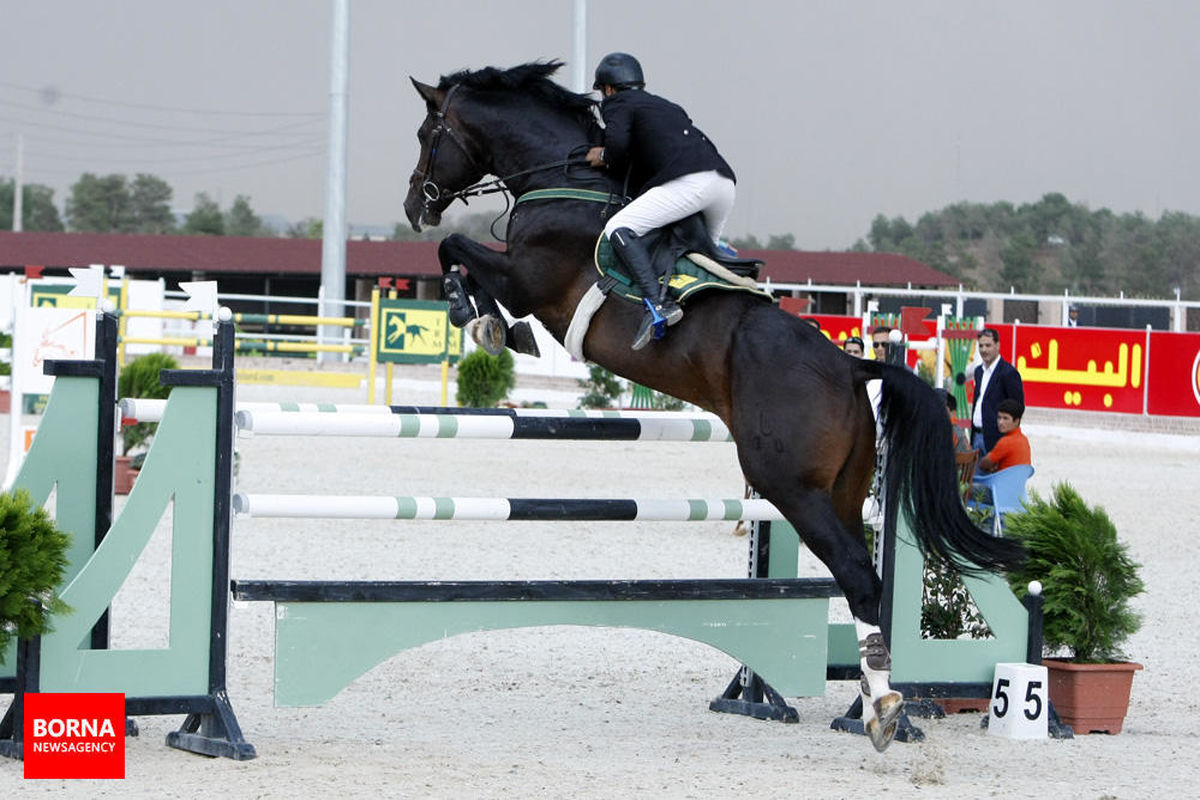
[[1087, 576], [33, 560], [6, 365], [139, 378], [603, 388], [665, 402], [947, 609], [484, 380]]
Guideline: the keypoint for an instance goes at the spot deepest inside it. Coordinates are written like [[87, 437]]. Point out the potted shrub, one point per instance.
[[139, 378], [485, 380], [1088, 581], [603, 388], [33, 560]]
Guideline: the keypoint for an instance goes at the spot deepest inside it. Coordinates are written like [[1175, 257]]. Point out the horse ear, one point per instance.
[[428, 93]]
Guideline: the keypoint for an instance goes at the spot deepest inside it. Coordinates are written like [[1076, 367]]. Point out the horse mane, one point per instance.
[[532, 79]]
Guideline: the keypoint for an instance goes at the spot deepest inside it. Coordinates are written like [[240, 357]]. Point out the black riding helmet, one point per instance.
[[620, 70]]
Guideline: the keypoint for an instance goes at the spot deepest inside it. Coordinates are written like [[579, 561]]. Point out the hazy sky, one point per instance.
[[830, 112]]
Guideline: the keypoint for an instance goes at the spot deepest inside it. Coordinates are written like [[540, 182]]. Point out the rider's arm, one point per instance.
[[618, 132]]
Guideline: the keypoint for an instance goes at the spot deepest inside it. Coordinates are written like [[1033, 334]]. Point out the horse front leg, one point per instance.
[[471, 306]]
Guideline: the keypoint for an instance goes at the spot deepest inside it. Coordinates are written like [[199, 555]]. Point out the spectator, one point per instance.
[[962, 442], [854, 346], [879, 342], [1012, 449], [1073, 317], [995, 380]]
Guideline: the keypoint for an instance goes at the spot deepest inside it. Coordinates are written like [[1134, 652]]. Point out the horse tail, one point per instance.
[[921, 480]]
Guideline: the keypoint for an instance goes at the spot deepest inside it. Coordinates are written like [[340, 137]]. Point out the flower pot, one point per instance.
[[1091, 698], [960, 705], [123, 475]]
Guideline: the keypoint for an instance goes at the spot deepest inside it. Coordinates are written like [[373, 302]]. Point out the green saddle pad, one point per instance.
[[686, 279]]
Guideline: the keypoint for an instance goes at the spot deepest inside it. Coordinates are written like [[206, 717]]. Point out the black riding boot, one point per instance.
[[661, 310]]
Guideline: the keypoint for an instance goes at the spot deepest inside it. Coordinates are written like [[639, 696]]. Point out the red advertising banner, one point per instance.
[[1091, 369], [1174, 374], [1094, 369]]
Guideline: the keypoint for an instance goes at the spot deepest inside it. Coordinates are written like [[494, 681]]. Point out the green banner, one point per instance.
[[55, 295], [416, 332]]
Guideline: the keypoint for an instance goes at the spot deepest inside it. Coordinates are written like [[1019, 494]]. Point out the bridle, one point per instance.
[[431, 192]]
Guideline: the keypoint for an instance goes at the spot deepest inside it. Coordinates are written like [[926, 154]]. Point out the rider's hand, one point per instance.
[[595, 156]]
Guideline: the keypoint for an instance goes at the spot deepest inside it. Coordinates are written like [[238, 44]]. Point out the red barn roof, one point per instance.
[[245, 255]]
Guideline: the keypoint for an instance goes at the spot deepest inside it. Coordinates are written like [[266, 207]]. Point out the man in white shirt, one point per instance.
[[995, 380]]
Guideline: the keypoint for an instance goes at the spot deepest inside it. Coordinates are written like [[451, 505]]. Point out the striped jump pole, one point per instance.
[[483, 426], [143, 409], [248, 318], [245, 345], [520, 509]]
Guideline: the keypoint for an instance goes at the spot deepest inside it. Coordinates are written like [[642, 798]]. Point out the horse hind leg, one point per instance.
[[812, 513], [881, 704]]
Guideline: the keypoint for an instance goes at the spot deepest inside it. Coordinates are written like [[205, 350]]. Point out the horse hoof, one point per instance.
[[523, 340], [489, 333], [882, 729]]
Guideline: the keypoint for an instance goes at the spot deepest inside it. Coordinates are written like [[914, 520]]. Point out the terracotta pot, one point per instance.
[[959, 705], [123, 475], [1091, 698]]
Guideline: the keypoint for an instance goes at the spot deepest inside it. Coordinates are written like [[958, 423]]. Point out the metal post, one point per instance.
[[579, 82], [333, 240], [18, 188]]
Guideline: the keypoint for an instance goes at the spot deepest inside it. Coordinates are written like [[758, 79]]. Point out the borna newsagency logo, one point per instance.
[[74, 735]]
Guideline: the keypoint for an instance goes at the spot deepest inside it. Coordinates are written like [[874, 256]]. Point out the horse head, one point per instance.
[[446, 163], [515, 123]]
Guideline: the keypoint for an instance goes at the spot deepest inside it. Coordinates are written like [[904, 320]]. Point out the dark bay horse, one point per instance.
[[796, 405]]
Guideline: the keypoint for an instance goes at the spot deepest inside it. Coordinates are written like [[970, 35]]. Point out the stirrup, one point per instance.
[[653, 324], [671, 311], [657, 320]]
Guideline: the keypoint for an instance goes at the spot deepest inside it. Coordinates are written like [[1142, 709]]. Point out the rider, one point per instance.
[[674, 171]]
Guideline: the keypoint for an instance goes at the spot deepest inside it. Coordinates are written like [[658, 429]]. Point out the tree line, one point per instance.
[[1043, 247], [116, 204], [1050, 246]]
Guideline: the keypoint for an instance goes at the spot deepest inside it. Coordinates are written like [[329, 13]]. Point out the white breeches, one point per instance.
[[707, 192]]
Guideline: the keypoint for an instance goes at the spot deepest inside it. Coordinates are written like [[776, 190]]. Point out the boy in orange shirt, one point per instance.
[[1012, 448]]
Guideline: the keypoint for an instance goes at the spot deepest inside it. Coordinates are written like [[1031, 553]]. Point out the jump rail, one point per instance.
[[522, 509]]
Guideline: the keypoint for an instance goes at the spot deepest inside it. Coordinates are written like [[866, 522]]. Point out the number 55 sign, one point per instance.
[[1018, 709]]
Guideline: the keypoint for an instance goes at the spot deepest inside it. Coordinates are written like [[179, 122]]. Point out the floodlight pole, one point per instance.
[[579, 47], [19, 187], [333, 238]]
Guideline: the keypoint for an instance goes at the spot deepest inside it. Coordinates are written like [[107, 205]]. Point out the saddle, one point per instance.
[[684, 258]]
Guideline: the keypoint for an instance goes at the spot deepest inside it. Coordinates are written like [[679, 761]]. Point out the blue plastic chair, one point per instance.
[[1008, 492]]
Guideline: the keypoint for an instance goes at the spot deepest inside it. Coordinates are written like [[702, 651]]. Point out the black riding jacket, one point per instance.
[[654, 139]]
